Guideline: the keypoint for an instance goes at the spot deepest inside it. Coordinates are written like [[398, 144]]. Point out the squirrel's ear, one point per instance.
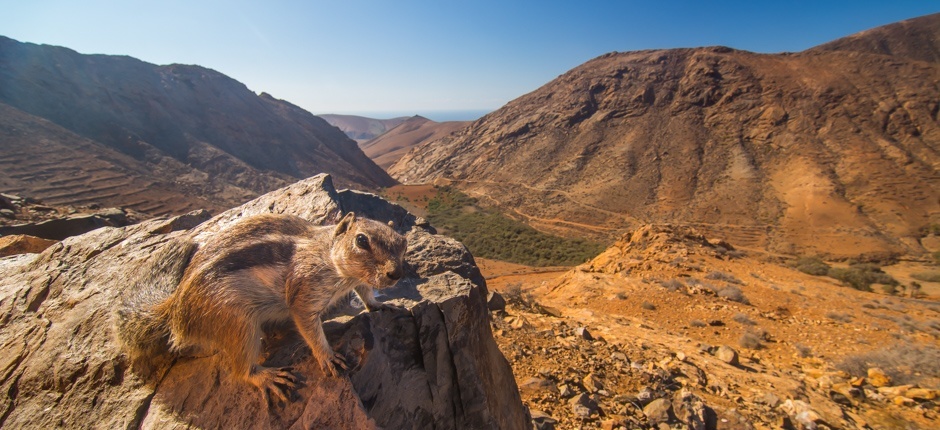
[[344, 224]]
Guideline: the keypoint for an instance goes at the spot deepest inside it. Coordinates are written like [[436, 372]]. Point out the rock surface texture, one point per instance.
[[431, 364]]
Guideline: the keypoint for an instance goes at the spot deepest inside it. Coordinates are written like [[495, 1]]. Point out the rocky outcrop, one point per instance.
[[431, 364], [828, 151]]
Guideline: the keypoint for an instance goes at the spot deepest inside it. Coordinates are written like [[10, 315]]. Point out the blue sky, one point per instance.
[[424, 56]]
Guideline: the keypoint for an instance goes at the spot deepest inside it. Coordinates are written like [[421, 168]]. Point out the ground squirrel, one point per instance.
[[264, 269]]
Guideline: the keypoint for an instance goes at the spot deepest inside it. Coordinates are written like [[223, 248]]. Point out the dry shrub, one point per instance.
[[648, 306], [722, 276], [698, 323], [843, 318], [743, 319], [803, 350], [734, 294], [905, 363], [673, 285], [751, 340]]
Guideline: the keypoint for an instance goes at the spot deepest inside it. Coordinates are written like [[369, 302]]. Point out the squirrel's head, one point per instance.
[[369, 251]]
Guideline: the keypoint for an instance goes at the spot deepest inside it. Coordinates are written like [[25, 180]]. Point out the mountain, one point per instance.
[[360, 128], [387, 148], [834, 150], [185, 130]]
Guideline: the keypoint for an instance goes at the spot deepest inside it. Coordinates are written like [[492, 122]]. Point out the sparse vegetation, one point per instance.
[[751, 340], [803, 350], [734, 294], [722, 276], [835, 316], [905, 363], [489, 234], [932, 276], [698, 323], [859, 276], [743, 319], [673, 285], [648, 306]]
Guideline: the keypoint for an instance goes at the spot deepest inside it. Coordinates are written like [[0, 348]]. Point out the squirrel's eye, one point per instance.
[[362, 241]]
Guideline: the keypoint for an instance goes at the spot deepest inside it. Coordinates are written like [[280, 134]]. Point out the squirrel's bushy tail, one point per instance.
[[141, 331]]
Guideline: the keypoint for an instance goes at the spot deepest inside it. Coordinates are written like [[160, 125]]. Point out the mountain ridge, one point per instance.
[[188, 114], [826, 151]]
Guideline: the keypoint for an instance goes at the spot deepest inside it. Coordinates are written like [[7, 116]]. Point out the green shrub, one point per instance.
[[812, 266], [861, 276], [489, 234]]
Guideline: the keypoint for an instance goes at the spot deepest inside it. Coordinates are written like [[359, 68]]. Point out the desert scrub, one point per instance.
[[932, 276], [698, 323], [843, 318], [812, 266], [904, 363], [673, 285], [489, 234], [722, 276], [743, 319], [752, 339], [734, 294], [648, 306]]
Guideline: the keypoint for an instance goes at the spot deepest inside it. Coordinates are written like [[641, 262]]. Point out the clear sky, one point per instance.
[[408, 56]]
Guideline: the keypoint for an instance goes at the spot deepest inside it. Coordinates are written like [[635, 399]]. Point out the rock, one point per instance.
[[727, 354], [7, 213], [542, 421], [535, 385], [565, 391], [583, 333], [644, 395], [922, 394], [877, 378], [690, 410], [716, 323], [23, 244], [495, 302], [801, 413], [610, 424], [61, 228], [592, 383], [619, 356], [657, 411], [433, 364], [583, 406], [903, 401], [769, 399]]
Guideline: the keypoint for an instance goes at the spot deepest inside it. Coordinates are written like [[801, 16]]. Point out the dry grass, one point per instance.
[[905, 363]]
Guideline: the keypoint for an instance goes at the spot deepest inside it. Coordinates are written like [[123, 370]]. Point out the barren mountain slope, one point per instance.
[[387, 148], [832, 152], [360, 128], [42, 160], [196, 116], [664, 307]]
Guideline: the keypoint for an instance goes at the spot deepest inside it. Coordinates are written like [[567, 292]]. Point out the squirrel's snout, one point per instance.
[[394, 274]]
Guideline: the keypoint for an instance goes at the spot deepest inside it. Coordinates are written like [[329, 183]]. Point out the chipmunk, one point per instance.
[[265, 269]]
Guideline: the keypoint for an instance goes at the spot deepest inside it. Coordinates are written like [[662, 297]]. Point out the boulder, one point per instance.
[[432, 363], [727, 354], [23, 244]]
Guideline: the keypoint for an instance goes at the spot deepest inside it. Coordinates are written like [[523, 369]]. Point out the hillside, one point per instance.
[[360, 128], [826, 151], [179, 129], [388, 147], [670, 326]]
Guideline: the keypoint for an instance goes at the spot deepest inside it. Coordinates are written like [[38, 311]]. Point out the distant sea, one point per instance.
[[434, 115]]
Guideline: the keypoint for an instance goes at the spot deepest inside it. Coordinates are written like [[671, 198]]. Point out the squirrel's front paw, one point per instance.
[[335, 365]]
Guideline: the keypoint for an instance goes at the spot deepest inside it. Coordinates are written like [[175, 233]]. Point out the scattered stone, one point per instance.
[[534, 385], [542, 420], [7, 213], [611, 424], [565, 391], [583, 333], [657, 411], [619, 356], [689, 409], [894, 391], [769, 399], [644, 395], [878, 378], [727, 354], [904, 401], [495, 302], [801, 413], [592, 383], [680, 356], [583, 406], [921, 394]]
